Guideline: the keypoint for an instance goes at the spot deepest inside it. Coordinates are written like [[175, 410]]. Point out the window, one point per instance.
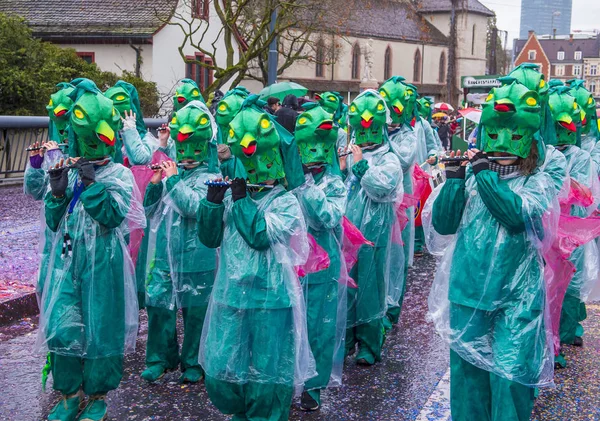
[[577, 55], [531, 55], [577, 70], [387, 64], [559, 70], [200, 9], [442, 74], [87, 57], [202, 75], [473, 41], [593, 69], [593, 86], [560, 55], [320, 59], [417, 66], [356, 62]]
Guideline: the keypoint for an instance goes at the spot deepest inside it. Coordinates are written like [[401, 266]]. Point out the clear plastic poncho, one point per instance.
[[89, 305], [255, 327], [323, 203], [488, 300]]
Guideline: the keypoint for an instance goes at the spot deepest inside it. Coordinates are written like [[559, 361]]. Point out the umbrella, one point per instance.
[[281, 89], [439, 115], [443, 106], [472, 114]]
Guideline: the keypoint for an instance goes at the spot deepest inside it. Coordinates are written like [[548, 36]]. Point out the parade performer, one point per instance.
[[488, 300], [333, 103], [375, 188], [323, 201], [88, 307], [187, 91], [254, 345], [589, 125], [180, 270], [404, 143]]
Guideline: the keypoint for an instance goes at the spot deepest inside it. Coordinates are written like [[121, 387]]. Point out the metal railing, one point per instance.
[[17, 133]]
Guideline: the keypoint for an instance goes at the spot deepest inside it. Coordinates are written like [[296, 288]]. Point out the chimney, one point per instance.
[[571, 38], [554, 33]]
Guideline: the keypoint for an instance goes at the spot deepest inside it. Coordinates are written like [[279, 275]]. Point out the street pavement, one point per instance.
[[410, 384]]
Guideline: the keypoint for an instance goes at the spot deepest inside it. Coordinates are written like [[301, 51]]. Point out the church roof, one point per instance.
[[443, 6]]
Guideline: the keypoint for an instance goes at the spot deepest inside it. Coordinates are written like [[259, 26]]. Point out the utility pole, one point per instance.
[[273, 54], [450, 83], [493, 43]]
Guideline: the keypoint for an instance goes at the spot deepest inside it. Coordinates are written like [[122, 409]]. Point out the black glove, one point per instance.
[[87, 173], [216, 193], [454, 169], [59, 180], [480, 162], [238, 189]]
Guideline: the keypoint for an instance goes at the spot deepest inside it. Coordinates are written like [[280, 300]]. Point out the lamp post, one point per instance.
[[555, 13]]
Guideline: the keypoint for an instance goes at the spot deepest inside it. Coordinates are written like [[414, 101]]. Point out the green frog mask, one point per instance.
[[192, 129], [316, 135], [400, 98], [368, 117]]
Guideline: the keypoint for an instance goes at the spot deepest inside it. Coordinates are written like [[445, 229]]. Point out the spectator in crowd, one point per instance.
[[287, 114], [273, 104]]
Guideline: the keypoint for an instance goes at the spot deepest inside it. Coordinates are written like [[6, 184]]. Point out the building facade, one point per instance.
[[545, 16]]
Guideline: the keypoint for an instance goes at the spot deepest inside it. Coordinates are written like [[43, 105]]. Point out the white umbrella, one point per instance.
[[443, 106]]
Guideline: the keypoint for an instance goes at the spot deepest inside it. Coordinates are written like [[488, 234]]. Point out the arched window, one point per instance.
[[320, 59], [473, 42], [387, 64], [417, 66], [442, 75], [356, 62]]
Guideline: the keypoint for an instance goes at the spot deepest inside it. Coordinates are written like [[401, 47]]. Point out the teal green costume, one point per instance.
[[323, 201], [88, 307], [488, 299], [374, 191], [187, 91], [254, 346], [589, 122], [180, 270]]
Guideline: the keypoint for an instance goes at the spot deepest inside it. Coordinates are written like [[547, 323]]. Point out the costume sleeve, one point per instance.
[[430, 139], [152, 197], [383, 182], [324, 207], [449, 206], [108, 208], [555, 165], [139, 151], [169, 150], [210, 223], [250, 223], [504, 204], [406, 149], [55, 208], [185, 198], [35, 182], [581, 169]]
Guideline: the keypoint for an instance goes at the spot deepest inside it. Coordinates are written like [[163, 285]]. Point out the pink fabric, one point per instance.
[[420, 180], [318, 259], [353, 240], [142, 175], [579, 195]]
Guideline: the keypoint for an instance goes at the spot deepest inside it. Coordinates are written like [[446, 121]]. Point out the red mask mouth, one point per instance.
[[366, 124], [569, 126], [397, 110], [318, 97], [60, 113], [504, 108], [106, 139], [180, 99], [326, 125], [181, 137], [584, 122], [250, 150]]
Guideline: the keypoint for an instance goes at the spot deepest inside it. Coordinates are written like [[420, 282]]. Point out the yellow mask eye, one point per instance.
[[489, 98], [409, 92], [222, 107], [379, 107], [352, 109], [231, 133], [302, 120], [174, 120], [542, 83], [531, 102], [574, 105], [50, 104], [120, 97], [195, 92], [590, 101], [78, 114], [382, 93], [264, 123], [203, 121], [427, 105], [331, 98]]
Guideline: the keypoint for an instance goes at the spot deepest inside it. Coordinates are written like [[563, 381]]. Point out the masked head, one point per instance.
[[229, 106], [566, 114], [120, 98], [316, 135], [59, 106], [368, 117], [94, 120], [529, 75], [400, 98], [192, 129], [511, 117], [425, 107], [253, 138], [187, 91], [586, 101], [330, 101]]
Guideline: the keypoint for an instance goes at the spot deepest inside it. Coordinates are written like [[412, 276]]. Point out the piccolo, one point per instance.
[[250, 186], [465, 158], [74, 164], [179, 165], [42, 147]]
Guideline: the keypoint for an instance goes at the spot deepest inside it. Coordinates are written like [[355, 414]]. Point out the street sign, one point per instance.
[[486, 81]]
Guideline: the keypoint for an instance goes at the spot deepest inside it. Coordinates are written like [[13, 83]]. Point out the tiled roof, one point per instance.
[[93, 17], [589, 47], [433, 6], [394, 20]]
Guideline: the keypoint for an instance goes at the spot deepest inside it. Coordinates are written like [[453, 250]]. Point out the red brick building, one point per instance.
[[533, 52]]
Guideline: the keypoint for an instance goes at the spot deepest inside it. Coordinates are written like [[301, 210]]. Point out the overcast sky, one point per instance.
[[586, 15]]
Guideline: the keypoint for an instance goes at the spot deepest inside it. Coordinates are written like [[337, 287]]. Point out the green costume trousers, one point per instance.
[[162, 346], [419, 239], [321, 319], [393, 312], [573, 312], [477, 394], [95, 376]]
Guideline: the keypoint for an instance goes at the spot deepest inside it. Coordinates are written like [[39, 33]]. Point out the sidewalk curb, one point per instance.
[[18, 308]]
